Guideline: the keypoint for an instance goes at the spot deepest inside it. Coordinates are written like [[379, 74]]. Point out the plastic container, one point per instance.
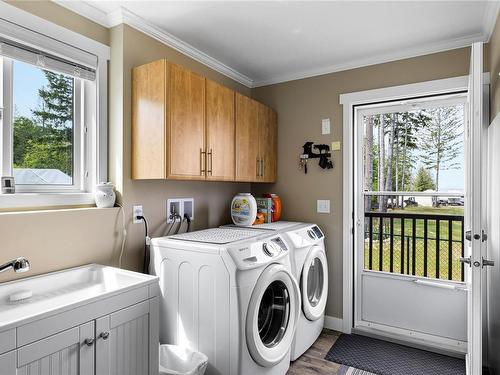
[[243, 209], [276, 216], [176, 360]]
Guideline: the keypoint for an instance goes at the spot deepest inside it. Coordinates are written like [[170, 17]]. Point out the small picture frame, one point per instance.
[[8, 185]]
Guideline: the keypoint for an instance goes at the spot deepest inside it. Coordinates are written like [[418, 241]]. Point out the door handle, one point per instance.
[[203, 160], [89, 342], [488, 263], [465, 260], [468, 236], [104, 335]]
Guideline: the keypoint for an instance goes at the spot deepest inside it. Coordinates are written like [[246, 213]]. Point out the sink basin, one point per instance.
[[44, 294]]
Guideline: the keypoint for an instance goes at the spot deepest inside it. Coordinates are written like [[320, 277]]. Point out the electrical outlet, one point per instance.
[[180, 206], [188, 207], [137, 211], [323, 206]]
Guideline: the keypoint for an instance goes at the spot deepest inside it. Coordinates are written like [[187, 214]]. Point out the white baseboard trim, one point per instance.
[[333, 323]]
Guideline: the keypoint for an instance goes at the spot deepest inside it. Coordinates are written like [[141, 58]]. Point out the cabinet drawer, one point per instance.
[[7, 340], [8, 363]]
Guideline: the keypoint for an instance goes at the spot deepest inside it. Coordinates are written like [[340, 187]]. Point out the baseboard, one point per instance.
[[333, 323]]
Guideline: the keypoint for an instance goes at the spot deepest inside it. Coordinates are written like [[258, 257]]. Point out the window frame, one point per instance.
[[33, 31]]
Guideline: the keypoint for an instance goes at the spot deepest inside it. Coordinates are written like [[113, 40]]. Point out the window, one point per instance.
[[46, 106]]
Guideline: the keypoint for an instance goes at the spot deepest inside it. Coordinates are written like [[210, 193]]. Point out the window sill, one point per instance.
[[44, 200]]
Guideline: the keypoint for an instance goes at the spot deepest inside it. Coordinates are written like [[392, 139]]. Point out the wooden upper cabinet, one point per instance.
[[148, 121], [247, 139], [185, 124], [220, 131], [267, 144]]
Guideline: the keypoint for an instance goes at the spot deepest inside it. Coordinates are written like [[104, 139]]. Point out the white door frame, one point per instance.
[[349, 101]]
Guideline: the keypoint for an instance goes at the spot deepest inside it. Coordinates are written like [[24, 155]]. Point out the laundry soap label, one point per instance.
[[243, 209]]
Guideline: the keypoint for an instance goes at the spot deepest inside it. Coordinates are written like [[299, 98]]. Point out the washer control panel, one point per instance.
[[259, 252]]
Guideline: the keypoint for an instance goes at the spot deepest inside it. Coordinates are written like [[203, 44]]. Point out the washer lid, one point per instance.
[[217, 236]]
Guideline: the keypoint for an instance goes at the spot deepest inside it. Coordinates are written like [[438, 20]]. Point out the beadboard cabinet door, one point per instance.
[[185, 124], [220, 127], [127, 340], [70, 352]]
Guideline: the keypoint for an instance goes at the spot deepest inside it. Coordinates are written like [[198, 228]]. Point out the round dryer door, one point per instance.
[[314, 283], [272, 315]]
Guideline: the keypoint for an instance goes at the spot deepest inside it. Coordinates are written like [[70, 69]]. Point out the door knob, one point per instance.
[[104, 335], [488, 263], [468, 235], [89, 342]]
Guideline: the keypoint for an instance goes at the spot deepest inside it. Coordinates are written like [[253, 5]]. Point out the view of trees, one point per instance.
[[45, 139], [395, 144]]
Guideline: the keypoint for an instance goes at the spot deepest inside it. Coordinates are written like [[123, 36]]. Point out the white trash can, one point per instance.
[[176, 360]]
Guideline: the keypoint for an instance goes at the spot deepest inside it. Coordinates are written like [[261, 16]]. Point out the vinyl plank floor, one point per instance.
[[313, 361]]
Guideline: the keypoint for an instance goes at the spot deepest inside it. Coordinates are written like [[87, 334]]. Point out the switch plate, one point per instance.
[[336, 146], [325, 126], [323, 206], [137, 211]]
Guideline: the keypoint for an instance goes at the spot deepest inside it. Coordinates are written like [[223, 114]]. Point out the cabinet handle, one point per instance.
[[257, 167], [104, 335], [263, 168], [89, 342], [210, 155], [202, 162]]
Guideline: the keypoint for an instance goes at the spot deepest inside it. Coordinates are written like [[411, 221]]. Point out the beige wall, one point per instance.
[[301, 105], [494, 62], [211, 199]]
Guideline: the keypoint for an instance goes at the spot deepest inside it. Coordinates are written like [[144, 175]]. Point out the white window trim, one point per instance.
[[349, 101], [63, 42]]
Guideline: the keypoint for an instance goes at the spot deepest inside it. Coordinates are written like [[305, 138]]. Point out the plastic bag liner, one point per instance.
[[176, 360]]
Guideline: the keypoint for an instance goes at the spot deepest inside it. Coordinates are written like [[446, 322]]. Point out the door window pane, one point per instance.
[[43, 126]]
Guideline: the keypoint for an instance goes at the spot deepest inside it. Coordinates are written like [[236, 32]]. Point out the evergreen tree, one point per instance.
[[442, 139], [423, 180]]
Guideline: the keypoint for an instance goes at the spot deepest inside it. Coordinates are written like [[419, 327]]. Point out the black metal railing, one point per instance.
[[425, 245]]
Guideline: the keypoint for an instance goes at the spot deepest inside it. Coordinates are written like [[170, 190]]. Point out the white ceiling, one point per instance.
[[259, 43]]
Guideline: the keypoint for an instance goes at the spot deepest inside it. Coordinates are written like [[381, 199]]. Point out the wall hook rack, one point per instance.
[[323, 155]]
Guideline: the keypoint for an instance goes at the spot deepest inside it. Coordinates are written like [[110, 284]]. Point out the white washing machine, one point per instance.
[[310, 268], [311, 271], [230, 294]]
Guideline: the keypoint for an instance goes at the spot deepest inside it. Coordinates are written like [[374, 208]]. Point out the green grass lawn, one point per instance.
[[432, 255]]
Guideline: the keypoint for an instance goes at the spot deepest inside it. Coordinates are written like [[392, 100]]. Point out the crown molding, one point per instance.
[[378, 59], [490, 17], [123, 15]]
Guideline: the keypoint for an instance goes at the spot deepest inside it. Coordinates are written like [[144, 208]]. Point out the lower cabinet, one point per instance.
[[124, 342]]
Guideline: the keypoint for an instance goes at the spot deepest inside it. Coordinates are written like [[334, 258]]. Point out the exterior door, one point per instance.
[[220, 132], [122, 342], [268, 144], [409, 282], [272, 315], [314, 284], [186, 125], [247, 139], [70, 352], [475, 215]]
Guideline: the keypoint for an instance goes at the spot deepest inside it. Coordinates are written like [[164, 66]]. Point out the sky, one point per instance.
[[26, 82]]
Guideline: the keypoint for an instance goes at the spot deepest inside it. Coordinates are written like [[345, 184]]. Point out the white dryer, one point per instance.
[[311, 271], [231, 295]]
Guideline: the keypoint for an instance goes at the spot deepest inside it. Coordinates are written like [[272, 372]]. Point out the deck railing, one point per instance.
[[425, 245]]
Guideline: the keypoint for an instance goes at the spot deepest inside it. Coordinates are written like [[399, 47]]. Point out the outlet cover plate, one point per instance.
[[137, 211], [323, 206]]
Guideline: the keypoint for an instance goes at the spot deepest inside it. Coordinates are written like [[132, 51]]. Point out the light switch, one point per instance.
[[323, 206], [336, 146], [325, 126]]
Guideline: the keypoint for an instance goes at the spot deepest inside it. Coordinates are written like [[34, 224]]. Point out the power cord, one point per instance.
[[173, 217], [124, 235], [188, 220], [147, 242]]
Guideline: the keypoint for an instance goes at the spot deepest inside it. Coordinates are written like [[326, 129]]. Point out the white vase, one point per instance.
[[105, 195]]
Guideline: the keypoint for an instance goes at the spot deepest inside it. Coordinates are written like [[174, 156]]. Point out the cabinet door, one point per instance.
[[267, 143], [124, 345], [148, 121], [186, 124], [66, 353], [220, 126], [247, 139]]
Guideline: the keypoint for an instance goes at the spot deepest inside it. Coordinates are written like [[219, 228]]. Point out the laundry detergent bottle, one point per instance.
[[243, 209]]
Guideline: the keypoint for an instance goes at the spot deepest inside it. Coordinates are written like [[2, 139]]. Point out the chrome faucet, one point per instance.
[[20, 264]]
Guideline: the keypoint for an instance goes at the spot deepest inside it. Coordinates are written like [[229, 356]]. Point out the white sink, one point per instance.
[[45, 294]]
